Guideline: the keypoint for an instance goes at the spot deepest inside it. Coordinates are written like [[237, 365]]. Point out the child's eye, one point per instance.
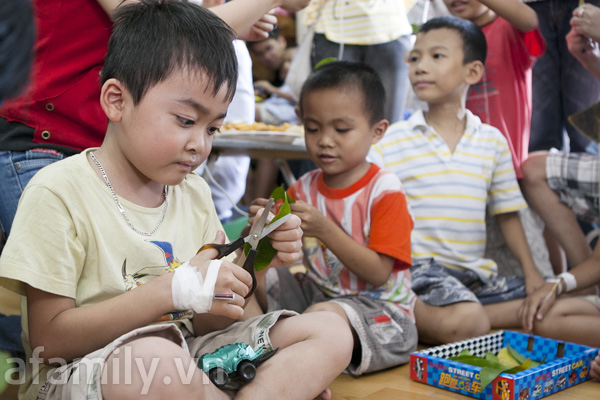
[[213, 130], [185, 122], [343, 130], [310, 130], [412, 59], [438, 56]]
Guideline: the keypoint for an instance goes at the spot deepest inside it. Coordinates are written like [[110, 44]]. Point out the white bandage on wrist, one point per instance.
[[191, 291], [569, 280]]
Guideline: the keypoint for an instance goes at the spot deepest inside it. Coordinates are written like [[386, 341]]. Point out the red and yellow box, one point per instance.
[[566, 364]]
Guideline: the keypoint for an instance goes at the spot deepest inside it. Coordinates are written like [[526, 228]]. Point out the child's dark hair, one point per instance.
[[153, 38], [474, 43], [349, 75]]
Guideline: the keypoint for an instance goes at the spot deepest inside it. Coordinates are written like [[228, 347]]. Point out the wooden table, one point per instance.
[[262, 146]]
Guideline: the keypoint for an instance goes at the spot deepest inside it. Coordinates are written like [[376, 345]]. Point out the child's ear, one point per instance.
[[111, 99], [379, 129], [475, 71]]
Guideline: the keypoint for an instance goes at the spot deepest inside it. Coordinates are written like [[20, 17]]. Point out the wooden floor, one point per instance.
[[395, 384]]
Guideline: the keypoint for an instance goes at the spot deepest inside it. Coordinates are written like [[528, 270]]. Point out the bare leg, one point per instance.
[[314, 349], [155, 368], [450, 323], [559, 219], [571, 319], [504, 314]]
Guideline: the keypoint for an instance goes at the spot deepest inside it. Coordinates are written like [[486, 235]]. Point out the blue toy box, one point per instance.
[[566, 364]]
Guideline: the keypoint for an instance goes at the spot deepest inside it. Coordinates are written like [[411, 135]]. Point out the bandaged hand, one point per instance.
[[196, 282]]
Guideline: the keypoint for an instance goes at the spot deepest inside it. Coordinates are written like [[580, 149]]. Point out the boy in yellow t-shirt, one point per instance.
[[92, 228]]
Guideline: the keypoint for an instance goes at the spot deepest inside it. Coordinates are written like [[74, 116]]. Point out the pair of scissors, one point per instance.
[[259, 232]]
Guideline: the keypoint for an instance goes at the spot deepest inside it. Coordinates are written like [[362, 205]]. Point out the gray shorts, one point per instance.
[[438, 285], [82, 379], [387, 335], [574, 177]]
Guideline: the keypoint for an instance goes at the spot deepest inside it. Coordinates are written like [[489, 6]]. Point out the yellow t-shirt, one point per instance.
[[68, 238]]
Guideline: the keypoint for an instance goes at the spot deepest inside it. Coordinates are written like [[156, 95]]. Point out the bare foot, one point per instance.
[[595, 368], [325, 395]]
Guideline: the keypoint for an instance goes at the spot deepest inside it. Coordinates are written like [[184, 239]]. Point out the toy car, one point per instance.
[[572, 377], [560, 382], [233, 361], [548, 386], [524, 394], [537, 390]]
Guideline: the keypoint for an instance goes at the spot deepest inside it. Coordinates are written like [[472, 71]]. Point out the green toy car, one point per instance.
[[233, 361]]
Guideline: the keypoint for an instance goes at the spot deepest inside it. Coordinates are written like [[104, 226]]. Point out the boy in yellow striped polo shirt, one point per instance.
[[453, 167]]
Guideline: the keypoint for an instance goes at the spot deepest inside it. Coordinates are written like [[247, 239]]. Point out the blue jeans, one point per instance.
[[561, 86], [16, 169], [385, 58]]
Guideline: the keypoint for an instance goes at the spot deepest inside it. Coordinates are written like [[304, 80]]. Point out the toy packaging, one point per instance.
[[565, 364]]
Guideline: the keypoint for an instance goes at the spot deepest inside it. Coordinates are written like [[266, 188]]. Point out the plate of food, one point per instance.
[[286, 133]]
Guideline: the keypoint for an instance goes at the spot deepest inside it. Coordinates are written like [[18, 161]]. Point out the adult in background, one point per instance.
[[561, 85], [374, 32]]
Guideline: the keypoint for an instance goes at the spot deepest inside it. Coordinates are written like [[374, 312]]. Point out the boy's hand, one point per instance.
[[287, 239], [533, 282], [260, 30], [537, 305], [314, 223], [585, 21], [266, 86], [595, 368], [255, 206], [230, 279], [584, 49]]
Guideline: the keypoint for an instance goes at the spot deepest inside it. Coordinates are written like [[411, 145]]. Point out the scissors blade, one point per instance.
[[270, 228], [256, 233]]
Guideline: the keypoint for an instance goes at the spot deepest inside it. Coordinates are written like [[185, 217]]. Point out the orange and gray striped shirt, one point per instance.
[[374, 212]]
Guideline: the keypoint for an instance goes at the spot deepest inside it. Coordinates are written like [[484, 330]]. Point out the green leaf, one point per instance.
[[492, 357], [266, 252], [325, 61], [522, 359], [516, 355], [491, 367]]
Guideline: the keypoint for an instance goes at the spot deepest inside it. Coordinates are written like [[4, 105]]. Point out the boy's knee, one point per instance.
[[534, 168], [334, 330], [466, 320], [151, 366]]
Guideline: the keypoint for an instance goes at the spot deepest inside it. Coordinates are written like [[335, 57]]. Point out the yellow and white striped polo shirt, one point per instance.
[[448, 192], [359, 22]]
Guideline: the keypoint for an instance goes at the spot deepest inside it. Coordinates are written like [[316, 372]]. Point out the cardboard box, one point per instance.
[[566, 364]]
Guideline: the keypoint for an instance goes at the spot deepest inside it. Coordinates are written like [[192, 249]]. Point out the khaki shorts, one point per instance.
[[387, 335], [82, 379], [594, 299]]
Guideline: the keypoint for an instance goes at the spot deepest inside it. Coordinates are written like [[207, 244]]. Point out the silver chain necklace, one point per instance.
[[120, 207]]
